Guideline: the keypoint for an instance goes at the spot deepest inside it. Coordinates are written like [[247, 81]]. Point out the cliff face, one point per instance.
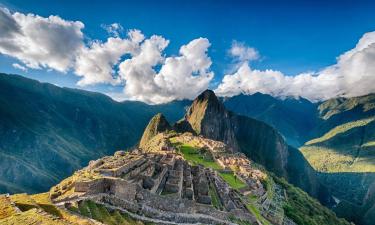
[[207, 116]]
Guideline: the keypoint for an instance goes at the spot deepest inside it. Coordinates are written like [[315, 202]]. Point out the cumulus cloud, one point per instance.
[[95, 63], [179, 77], [352, 75], [114, 29], [139, 64], [135, 62], [20, 67], [40, 42], [241, 52]]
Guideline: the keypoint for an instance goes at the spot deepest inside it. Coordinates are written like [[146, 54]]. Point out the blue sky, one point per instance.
[[292, 37]]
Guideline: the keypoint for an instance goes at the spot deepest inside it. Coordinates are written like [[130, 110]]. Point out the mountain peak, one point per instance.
[[157, 124], [207, 95]]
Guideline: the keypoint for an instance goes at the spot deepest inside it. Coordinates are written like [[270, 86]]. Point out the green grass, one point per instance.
[[84, 209], [231, 179], [193, 156], [215, 198], [255, 211], [340, 129], [329, 160], [100, 213], [369, 144]]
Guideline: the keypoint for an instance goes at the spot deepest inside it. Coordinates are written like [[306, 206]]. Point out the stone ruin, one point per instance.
[[150, 182]]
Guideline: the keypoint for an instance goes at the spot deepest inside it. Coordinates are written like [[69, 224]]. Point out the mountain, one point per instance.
[[47, 132], [174, 177], [343, 151], [157, 124], [207, 116], [293, 118]]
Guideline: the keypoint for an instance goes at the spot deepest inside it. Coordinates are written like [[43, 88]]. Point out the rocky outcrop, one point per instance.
[[156, 125], [208, 117]]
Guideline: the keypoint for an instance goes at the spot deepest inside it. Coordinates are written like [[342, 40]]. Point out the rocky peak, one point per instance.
[[157, 124], [207, 116]]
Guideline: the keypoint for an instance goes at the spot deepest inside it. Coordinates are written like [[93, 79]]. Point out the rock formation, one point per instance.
[[156, 125]]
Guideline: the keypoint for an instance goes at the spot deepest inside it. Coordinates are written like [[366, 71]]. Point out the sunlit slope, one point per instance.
[[346, 148]]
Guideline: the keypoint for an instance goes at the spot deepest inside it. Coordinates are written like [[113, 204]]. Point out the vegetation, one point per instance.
[[341, 129], [38, 209], [232, 180], [100, 213], [192, 155], [345, 148], [195, 156], [6, 209], [63, 130], [215, 197], [304, 210]]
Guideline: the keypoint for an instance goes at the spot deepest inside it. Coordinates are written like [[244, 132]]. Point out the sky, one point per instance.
[[159, 51]]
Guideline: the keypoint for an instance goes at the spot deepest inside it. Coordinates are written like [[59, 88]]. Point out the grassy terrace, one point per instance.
[[252, 207], [195, 157], [100, 213], [232, 180]]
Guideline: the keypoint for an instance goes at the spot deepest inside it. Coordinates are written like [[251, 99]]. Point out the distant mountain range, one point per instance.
[[48, 132]]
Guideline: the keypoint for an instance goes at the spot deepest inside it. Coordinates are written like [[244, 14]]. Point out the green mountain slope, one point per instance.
[[47, 132], [344, 154]]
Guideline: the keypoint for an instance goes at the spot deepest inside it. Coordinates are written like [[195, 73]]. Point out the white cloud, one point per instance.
[[95, 63], [140, 66], [114, 29], [180, 77], [352, 75], [40, 42], [20, 67], [137, 63], [241, 52]]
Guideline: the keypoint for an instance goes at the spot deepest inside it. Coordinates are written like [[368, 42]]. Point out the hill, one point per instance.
[[343, 151], [47, 132]]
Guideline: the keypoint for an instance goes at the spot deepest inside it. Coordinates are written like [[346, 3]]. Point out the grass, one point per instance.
[[215, 197], [255, 211], [33, 205], [6, 209], [100, 213], [340, 129], [232, 180], [329, 160], [24, 202], [193, 156], [369, 144], [32, 216]]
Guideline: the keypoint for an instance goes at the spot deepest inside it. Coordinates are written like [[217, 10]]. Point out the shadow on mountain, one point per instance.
[[354, 194]]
